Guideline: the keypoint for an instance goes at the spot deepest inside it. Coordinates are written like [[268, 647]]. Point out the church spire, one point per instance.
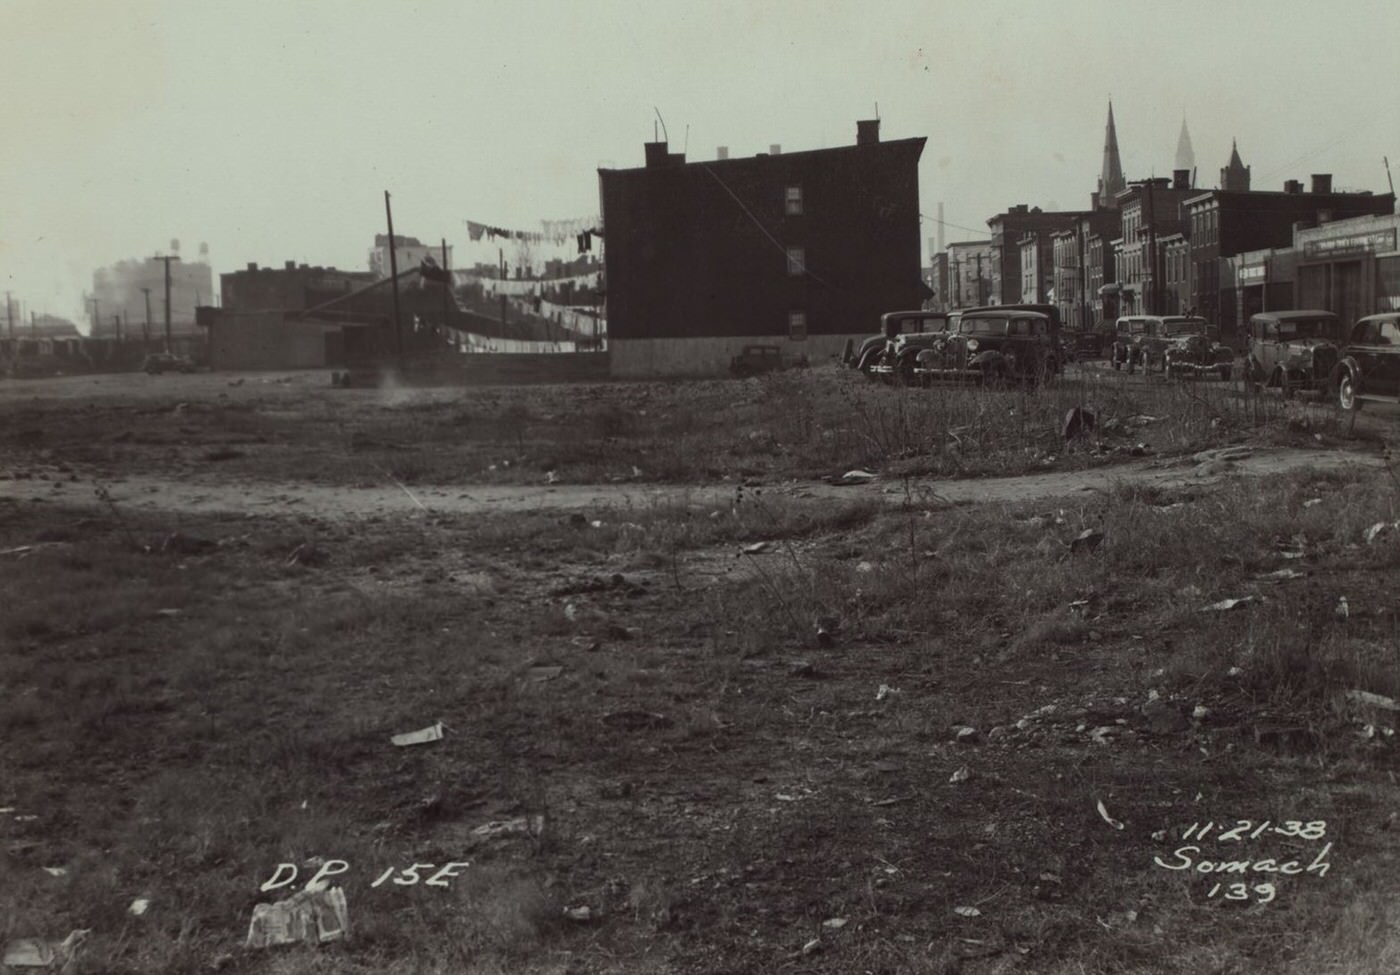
[[1185, 155], [1111, 179], [1235, 177]]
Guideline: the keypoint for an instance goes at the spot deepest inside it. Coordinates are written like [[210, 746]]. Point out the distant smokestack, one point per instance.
[[722, 152], [775, 150], [203, 251], [941, 245], [867, 132], [174, 245], [1322, 182]]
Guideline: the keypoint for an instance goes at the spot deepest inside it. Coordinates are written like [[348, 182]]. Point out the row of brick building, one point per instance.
[[1165, 246]]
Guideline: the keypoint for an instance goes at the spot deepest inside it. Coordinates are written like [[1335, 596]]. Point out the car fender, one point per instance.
[[1346, 366], [988, 357]]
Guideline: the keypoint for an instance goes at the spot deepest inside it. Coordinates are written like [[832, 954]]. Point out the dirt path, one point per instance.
[[195, 494]]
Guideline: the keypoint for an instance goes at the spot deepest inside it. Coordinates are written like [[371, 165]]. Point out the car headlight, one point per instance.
[[972, 345]]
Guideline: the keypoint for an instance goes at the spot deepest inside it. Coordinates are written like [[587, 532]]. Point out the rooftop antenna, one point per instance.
[[877, 111], [663, 124], [1387, 175]]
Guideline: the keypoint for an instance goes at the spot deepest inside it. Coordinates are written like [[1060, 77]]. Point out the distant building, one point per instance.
[[802, 249], [292, 287], [969, 274], [1008, 230], [1150, 211], [120, 294], [409, 252], [1085, 290], [1351, 267], [936, 276]]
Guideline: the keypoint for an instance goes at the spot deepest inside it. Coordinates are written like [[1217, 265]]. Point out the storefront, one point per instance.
[[1351, 267], [1258, 281]]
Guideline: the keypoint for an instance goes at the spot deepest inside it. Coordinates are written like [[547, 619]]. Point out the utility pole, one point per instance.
[[146, 330], [394, 276], [117, 326], [501, 256], [167, 259], [446, 284]]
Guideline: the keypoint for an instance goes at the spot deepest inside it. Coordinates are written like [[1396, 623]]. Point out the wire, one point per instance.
[[955, 226], [757, 223]]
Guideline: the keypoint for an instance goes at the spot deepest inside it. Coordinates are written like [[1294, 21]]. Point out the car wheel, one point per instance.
[[1346, 393]]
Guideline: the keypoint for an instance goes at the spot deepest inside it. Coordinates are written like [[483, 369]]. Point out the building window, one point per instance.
[[794, 201], [797, 260], [797, 326]]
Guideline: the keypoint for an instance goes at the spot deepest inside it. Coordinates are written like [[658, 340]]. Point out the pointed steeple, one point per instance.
[[1235, 177], [1111, 179], [1185, 155]]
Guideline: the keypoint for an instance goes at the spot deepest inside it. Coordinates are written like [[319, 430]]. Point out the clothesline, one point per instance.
[[555, 231]]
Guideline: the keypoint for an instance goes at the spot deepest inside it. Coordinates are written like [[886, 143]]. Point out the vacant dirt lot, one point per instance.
[[1117, 703]]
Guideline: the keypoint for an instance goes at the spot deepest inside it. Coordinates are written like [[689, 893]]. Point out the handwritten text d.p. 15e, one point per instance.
[[429, 874]]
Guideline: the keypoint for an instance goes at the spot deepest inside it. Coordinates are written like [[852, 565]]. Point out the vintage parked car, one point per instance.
[[1193, 348], [1293, 350], [1130, 332], [871, 351], [755, 360], [903, 334], [1081, 344], [1369, 369], [159, 362], [1142, 340], [993, 346]]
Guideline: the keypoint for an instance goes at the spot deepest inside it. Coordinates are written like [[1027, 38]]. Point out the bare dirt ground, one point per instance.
[[703, 711], [210, 493]]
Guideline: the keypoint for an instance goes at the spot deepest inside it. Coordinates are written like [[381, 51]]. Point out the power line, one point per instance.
[[955, 226], [764, 230]]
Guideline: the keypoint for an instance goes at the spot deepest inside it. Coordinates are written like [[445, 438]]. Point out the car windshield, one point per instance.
[[1191, 326], [1133, 328], [1306, 328], [982, 326]]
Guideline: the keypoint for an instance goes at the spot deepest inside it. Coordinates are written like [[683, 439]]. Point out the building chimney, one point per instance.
[[1293, 186], [252, 265], [656, 154], [722, 152], [867, 132], [775, 150], [1322, 182], [290, 265], [1181, 179]]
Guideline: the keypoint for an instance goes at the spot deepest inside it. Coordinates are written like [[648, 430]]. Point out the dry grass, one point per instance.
[[716, 783]]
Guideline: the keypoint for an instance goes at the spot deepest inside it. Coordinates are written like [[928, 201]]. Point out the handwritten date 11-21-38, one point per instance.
[[1247, 829]]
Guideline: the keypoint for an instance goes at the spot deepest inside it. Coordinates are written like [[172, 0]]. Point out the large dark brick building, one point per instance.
[[802, 249]]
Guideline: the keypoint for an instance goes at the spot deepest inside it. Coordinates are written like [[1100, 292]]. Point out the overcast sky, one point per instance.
[[271, 128]]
